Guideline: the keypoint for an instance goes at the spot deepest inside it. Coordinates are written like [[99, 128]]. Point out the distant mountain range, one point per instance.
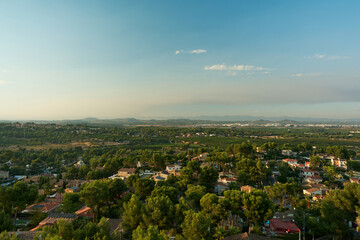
[[198, 120]]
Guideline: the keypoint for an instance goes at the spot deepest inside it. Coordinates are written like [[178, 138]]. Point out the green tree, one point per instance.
[[151, 233], [5, 236], [196, 226], [211, 207], [133, 214], [208, 177], [71, 202], [20, 195], [96, 196], [6, 224], [258, 208], [171, 192], [194, 194], [235, 198], [315, 162], [143, 187], [159, 211]]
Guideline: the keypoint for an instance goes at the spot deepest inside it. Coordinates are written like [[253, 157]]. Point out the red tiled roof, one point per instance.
[[281, 227], [316, 177], [309, 170], [290, 160], [84, 212], [127, 170]]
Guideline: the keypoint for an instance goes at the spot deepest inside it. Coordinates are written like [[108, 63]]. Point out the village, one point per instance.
[[313, 176]]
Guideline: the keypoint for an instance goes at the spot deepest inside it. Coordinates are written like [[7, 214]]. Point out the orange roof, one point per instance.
[[246, 188], [127, 170], [85, 211]]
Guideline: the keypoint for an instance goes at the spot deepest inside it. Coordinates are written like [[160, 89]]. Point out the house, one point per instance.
[[220, 187], [227, 180], [354, 180], [313, 191], [291, 162], [4, 174], [53, 218], [79, 163], [247, 188], [84, 211], [42, 207], [308, 173], [287, 216], [162, 175], [126, 172], [173, 167], [146, 173], [307, 164], [339, 163], [227, 174], [72, 189], [288, 153], [298, 165], [313, 179], [280, 227], [176, 173]]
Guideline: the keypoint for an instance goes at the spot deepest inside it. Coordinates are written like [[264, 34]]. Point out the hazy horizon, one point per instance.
[[121, 59]]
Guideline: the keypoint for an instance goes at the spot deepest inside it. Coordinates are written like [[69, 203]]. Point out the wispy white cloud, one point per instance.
[[224, 67], [2, 82], [198, 51], [195, 51], [320, 56], [307, 74]]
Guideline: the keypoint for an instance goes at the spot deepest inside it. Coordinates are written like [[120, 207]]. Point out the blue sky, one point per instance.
[[110, 59]]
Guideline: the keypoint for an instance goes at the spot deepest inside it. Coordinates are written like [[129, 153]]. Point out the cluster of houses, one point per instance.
[[281, 223]]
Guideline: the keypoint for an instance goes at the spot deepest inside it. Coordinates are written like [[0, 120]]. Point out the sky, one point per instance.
[[164, 59]]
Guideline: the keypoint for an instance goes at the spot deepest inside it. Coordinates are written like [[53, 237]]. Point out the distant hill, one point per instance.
[[198, 120]]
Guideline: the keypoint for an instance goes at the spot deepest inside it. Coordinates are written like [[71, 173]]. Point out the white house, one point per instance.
[[173, 167], [308, 173]]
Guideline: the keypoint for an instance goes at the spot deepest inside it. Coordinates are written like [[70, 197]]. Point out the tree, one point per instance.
[[151, 233], [284, 191], [196, 226], [211, 207], [235, 198], [194, 194], [96, 196], [159, 211], [250, 171], [20, 195], [116, 188], [171, 192], [315, 162], [331, 173], [208, 177], [258, 208], [5, 236], [143, 187], [71, 202], [6, 224], [133, 214]]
